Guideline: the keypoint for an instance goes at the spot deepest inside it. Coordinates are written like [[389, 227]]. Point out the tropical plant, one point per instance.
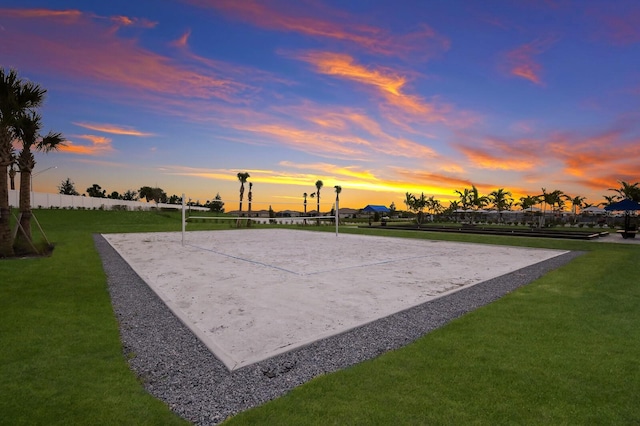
[[465, 198], [27, 128], [249, 198], [338, 189], [628, 191], [477, 201], [16, 98], [576, 203], [319, 185], [67, 188], [242, 177], [408, 200], [501, 200]]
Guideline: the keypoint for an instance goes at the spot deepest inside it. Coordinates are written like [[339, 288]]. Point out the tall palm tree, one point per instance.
[[249, 198], [242, 177], [304, 202], [527, 202], [16, 97], [28, 129], [408, 200], [319, 185]]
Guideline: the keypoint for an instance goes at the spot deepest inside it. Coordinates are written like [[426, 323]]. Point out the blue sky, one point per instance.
[[380, 97]]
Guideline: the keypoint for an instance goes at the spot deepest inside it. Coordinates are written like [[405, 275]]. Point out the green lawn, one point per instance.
[[563, 350]]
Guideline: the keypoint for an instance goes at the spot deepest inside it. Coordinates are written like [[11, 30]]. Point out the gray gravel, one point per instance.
[[177, 368]]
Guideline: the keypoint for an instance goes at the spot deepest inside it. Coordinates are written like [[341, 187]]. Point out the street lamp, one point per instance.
[[36, 174]]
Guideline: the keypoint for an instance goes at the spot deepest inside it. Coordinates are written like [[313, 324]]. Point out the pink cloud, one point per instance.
[[79, 45]]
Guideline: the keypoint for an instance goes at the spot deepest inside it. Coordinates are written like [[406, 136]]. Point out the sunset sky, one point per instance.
[[380, 97]]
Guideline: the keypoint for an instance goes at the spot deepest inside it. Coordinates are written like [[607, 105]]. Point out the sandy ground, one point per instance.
[[252, 294]]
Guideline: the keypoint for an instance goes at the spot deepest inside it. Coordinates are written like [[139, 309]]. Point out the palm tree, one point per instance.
[[418, 205], [249, 198], [319, 185], [304, 202], [576, 203], [408, 200], [629, 191], [527, 202], [28, 129], [465, 198], [501, 200], [242, 177], [551, 198], [16, 97]]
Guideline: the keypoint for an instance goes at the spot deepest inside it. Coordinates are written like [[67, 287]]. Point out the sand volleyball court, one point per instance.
[[255, 293]]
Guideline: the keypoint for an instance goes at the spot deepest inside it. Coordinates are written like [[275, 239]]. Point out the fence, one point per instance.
[[46, 201]]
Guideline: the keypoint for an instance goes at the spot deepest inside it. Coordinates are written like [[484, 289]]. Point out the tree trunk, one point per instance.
[[23, 237], [6, 243]]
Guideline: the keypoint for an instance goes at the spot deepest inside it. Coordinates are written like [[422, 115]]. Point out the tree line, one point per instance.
[[155, 194], [500, 200]]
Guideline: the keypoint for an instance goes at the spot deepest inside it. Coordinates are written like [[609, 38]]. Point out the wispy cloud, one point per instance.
[[388, 84], [318, 21], [113, 129], [620, 29], [521, 61], [99, 145]]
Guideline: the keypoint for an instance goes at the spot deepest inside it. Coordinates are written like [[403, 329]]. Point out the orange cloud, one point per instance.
[[597, 154], [113, 129], [343, 65], [388, 83], [404, 110], [521, 62], [319, 143], [338, 26], [485, 160], [496, 154], [100, 145]]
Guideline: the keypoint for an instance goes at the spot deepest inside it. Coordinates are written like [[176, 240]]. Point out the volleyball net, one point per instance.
[[287, 217]]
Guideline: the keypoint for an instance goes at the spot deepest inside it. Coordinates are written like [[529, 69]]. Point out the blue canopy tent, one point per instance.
[[371, 208], [626, 206]]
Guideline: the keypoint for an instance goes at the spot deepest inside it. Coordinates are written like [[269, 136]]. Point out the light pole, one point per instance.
[[36, 174]]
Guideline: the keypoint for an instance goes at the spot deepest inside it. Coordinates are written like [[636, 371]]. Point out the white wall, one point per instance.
[[46, 200]]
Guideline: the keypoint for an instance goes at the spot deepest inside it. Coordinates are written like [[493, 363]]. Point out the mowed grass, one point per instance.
[[563, 350], [60, 355]]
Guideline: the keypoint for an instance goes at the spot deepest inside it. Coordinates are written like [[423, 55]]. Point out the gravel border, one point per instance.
[[177, 368]]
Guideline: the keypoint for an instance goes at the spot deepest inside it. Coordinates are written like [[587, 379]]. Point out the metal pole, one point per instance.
[[337, 214], [184, 222]]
